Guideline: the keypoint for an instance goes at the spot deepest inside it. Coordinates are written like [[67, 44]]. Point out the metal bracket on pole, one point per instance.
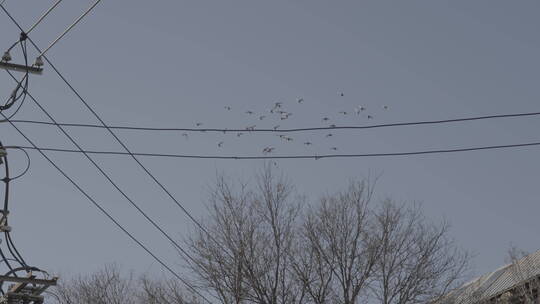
[[21, 68]]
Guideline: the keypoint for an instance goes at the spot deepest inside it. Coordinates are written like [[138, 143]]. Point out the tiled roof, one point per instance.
[[496, 282]]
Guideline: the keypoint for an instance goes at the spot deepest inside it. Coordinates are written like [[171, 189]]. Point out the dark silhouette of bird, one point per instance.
[[278, 105], [307, 143], [329, 135], [220, 144], [227, 108], [300, 100], [341, 94], [249, 112], [343, 112], [325, 119], [385, 107], [185, 135], [268, 150], [239, 134], [370, 117], [333, 148], [332, 126], [261, 117], [276, 127], [198, 124]]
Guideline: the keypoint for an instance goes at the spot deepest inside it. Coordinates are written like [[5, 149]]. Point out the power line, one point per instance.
[[225, 130], [43, 16], [315, 156], [177, 202], [109, 179], [70, 27], [97, 205]]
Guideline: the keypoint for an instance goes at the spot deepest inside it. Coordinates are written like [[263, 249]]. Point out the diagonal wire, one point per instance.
[[70, 27], [97, 205], [43, 16], [176, 201], [109, 179]]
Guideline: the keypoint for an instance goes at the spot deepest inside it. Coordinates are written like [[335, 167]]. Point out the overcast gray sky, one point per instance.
[[176, 63]]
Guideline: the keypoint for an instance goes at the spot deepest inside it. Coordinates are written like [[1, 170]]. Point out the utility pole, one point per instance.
[[20, 283]]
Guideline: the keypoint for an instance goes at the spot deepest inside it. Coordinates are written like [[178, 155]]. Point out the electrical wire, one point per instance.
[[28, 163], [70, 27], [269, 157], [43, 16], [177, 202], [110, 217], [227, 130], [109, 179]]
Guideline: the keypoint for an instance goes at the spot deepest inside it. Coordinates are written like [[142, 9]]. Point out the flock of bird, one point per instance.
[[278, 113]]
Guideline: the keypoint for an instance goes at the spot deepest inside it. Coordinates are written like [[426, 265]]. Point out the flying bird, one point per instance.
[[329, 135], [385, 107], [227, 108], [185, 135], [268, 150], [325, 119], [300, 100]]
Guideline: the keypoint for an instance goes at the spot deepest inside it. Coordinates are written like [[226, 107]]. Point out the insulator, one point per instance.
[[6, 57], [39, 62]]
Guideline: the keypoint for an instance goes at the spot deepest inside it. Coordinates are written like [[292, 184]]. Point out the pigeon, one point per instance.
[[370, 117], [385, 107], [220, 144], [329, 135], [333, 148], [300, 100], [325, 119], [341, 94], [261, 117]]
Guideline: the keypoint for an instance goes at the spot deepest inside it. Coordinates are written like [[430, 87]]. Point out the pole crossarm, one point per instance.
[[20, 68]]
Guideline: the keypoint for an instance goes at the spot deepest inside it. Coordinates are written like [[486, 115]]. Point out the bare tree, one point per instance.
[[343, 247], [246, 257], [417, 260], [111, 286], [107, 286]]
